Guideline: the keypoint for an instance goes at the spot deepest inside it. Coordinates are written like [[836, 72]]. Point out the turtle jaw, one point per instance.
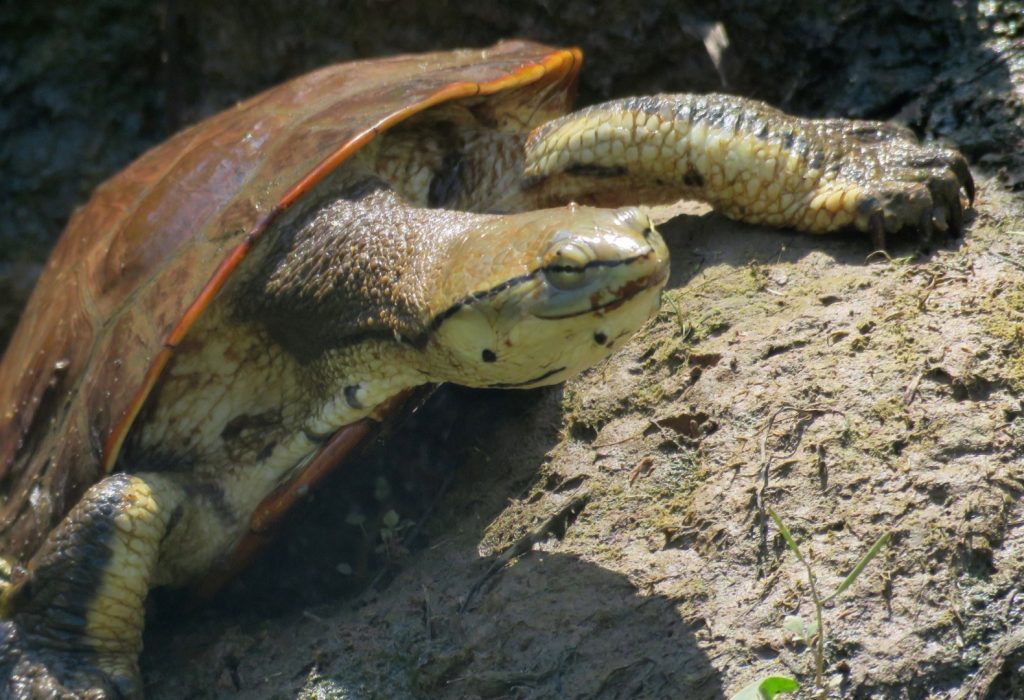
[[591, 283], [590, 335]]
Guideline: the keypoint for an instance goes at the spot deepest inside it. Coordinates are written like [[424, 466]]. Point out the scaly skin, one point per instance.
[[752, 163], [365, 291], [79, 616]]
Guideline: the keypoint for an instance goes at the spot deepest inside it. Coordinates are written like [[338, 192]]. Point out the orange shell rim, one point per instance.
[[555, 66]]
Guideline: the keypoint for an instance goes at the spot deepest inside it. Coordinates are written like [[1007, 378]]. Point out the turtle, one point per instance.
[[230, 314]]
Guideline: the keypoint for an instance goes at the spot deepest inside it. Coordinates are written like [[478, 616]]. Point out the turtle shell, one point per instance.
[[144, 257]]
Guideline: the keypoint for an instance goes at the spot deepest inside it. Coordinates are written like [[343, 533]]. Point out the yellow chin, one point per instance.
[[487, 345]]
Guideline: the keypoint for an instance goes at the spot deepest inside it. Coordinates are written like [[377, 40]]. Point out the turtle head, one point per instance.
[[532, 299]]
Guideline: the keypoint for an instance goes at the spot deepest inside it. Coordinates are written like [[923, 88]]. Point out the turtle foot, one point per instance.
[[30, 669], [752, 163], [900, 184]]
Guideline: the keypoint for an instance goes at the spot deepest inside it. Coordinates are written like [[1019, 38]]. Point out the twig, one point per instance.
[[525, 543], [807, 415], [819, 642], [1006, 259]]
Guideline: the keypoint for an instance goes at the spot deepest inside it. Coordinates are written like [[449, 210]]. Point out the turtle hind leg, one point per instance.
[[76, 618]]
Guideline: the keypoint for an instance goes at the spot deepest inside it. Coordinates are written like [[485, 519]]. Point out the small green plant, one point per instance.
[[813, 633], [767, 688], [686, 329]]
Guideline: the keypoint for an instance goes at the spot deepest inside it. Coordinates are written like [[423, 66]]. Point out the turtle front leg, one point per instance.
[[76, 616], [751, 162]]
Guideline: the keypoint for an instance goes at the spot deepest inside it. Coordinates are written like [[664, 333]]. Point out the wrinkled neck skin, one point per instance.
[[356, 264], [386, 277], [343, 289]]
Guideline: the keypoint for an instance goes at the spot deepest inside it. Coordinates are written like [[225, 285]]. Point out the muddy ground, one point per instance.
[[894, 393], [879, 394]]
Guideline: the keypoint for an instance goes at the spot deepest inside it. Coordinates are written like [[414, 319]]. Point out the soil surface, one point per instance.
[[882, 395], [608, 538]]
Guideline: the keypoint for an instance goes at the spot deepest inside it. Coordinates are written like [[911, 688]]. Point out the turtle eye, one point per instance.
[[565, 266], [563, 277]]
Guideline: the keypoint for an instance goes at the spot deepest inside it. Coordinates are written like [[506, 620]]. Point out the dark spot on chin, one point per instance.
[[647, 232], [600, 338], [488, 355]]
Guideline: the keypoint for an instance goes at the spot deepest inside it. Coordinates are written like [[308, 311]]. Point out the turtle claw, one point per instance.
[[927, 199]]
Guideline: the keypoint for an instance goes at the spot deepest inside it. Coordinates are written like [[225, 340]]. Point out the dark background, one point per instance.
[[85, 87]]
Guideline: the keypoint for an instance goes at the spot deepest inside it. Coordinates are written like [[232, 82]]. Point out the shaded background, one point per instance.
[[86, 87]]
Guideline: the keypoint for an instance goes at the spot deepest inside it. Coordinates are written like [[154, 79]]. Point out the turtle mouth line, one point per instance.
[[624, 293], [497, 289], [528, 382]]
